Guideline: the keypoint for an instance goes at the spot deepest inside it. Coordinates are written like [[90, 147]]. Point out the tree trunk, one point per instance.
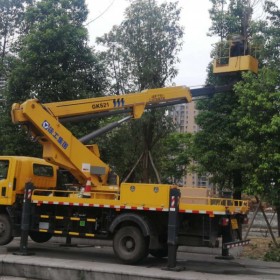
[[237, 184], [148, 132], [154, 167], [145, 165]]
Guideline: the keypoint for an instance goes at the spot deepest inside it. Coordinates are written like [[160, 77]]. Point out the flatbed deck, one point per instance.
[[214, 206]]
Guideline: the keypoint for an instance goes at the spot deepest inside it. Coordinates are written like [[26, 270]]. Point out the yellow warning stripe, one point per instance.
[[59, 217], [71, 218], [70, 233], [74, 219], [73, 233], [45, 216]]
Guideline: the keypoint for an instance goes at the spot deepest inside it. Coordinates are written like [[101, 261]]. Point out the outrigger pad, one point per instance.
[[175, 268]]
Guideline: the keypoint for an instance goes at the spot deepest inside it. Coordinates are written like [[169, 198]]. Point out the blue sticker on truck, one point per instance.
[[55, 135]]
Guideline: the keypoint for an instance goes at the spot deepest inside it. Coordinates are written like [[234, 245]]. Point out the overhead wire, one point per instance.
[[91, 21]]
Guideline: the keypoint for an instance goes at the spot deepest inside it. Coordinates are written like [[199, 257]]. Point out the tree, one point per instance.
[[142, 50], [260, 125], [244, 139], [178, 157], [214, 145], [230, 17], [142, 53], [11, 16], [53, 63], [270, 51]]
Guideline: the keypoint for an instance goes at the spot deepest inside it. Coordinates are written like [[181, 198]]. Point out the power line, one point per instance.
[[101, 13]]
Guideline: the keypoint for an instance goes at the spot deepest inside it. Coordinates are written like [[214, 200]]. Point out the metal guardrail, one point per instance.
[[217, 201], [222, 60]]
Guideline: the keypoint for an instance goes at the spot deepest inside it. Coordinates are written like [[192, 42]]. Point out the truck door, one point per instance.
[[6, 181]]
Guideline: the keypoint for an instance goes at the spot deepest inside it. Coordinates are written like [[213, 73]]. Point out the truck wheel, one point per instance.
[[5, 230], [40, 237], [130, 245]]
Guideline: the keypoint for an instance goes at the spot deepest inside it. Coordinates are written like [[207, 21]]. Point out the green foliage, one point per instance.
[[177, 148], [120, 153], [142, 50], [13, 140], [273, 255], [229, 17], [11, 16], [238, 143], [271, 36], [214, 144], [123, 146], [259, 122], [54, 62]]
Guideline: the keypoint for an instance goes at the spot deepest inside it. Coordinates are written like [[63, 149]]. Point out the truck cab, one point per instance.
[[14, 173]]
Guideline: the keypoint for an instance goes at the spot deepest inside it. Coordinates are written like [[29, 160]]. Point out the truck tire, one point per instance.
[[5, 230], [40, 237], [130, 245]]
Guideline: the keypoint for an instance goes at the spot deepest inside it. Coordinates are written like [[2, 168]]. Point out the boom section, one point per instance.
[[60, 147], [137, 102]]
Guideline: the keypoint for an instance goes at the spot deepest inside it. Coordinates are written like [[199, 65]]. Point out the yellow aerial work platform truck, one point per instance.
[[139, 218]]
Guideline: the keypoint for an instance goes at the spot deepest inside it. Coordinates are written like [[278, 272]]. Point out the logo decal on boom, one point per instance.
[[56, 136]]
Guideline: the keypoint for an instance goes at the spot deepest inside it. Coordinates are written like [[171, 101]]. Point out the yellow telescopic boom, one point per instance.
[[60, 147]]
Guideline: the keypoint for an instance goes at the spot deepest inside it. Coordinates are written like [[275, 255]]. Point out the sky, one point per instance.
[[195, 55]]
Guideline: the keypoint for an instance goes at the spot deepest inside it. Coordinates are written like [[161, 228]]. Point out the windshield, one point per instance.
[[4, 167]]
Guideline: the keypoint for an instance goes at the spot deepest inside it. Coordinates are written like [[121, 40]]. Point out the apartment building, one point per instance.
[[184, 117]]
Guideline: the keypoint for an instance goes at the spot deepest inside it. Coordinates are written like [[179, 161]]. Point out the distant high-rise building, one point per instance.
[[184, 117]]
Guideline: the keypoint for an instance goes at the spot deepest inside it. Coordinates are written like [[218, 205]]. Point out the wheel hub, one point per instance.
[[129, 244]]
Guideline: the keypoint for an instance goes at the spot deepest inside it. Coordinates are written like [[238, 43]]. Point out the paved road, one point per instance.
[[52, 261]]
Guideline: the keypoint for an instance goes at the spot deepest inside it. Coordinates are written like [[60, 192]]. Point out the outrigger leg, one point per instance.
[[25, 221], [226, 238], [173, 230]]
